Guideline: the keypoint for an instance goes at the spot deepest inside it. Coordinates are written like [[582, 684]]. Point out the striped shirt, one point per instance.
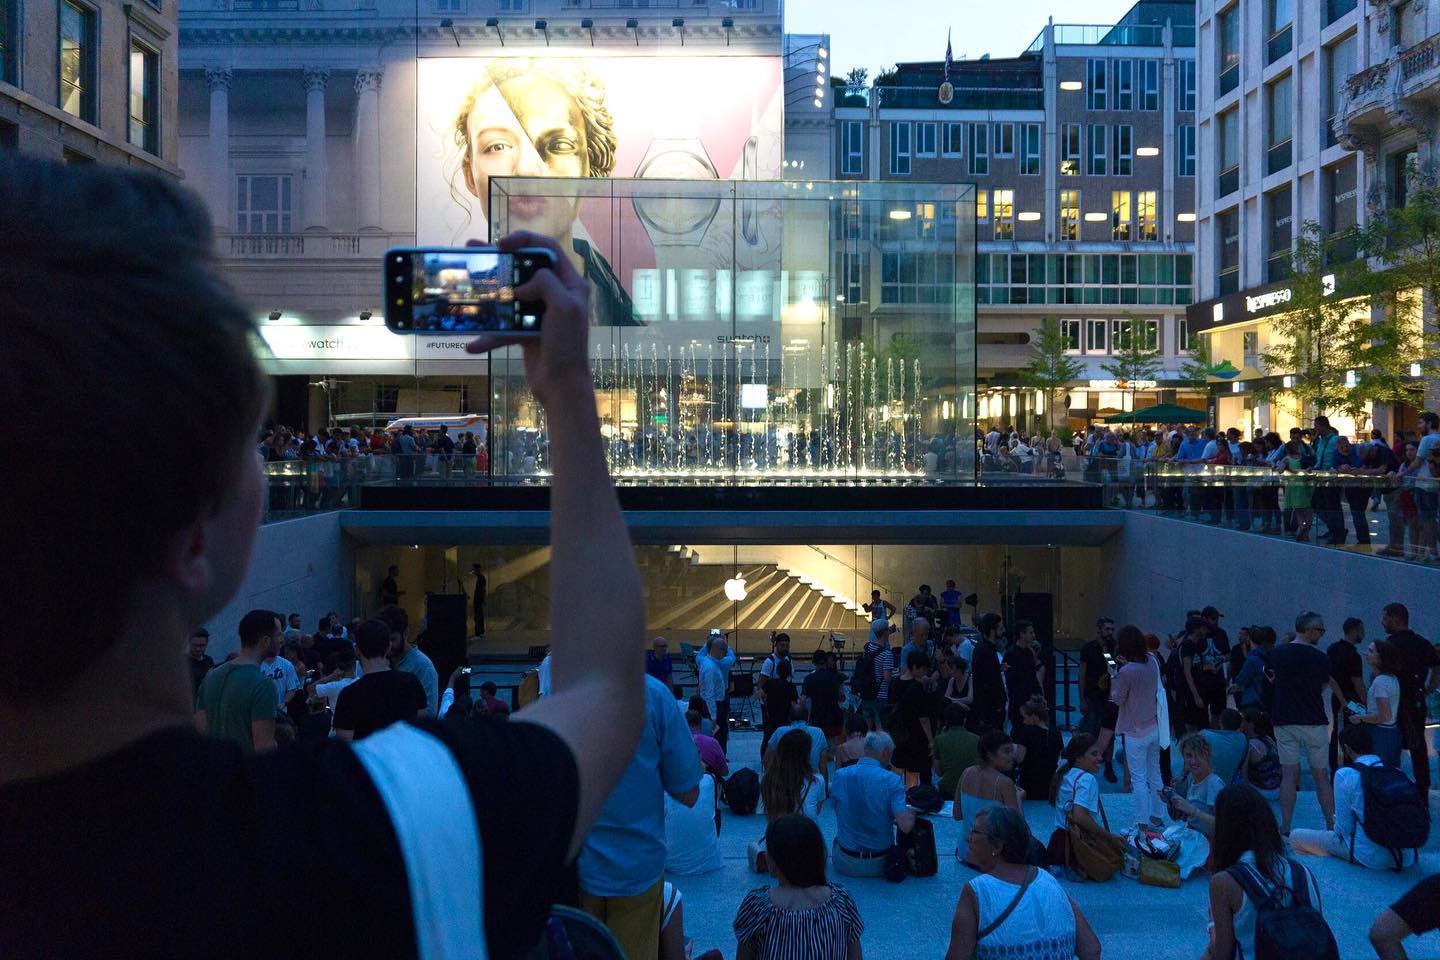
[[884, 659], [814, 933]]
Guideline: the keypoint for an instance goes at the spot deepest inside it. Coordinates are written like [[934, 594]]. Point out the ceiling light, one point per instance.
[[1029, 215], [1147, 151], [899, 214], [1071, 85], [1185, 217], [824, 53], [818, 104], [1094, 217]]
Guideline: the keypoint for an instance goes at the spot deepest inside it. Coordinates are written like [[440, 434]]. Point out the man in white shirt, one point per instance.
[[280, 671], [1348, 841], [712, 664]]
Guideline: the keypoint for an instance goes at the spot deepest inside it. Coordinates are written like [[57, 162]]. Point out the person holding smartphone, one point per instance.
[[113, 298]]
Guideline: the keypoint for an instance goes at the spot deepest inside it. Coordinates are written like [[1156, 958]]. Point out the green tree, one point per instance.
[[1336, 355], [1051, 367], [1195, 369], [1406, 242], [1135, 359], [856, 81]]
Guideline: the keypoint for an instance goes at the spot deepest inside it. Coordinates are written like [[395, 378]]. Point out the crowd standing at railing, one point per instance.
[[1298, 486]]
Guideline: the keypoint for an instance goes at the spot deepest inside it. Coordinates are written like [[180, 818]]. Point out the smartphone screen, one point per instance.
[[467, 290]]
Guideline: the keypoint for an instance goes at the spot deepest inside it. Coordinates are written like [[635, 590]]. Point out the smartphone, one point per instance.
[[461, 290], [464, 671]]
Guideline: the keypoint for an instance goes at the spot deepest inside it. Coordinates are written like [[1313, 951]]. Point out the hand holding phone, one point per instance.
[[557, 363], [432, 290]]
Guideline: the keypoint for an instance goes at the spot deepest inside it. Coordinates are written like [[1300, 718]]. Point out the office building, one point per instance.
[[90, 80], [1311, 112], [1082, 149]]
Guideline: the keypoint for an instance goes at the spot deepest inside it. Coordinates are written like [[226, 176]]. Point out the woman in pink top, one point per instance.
[[1135, 691]]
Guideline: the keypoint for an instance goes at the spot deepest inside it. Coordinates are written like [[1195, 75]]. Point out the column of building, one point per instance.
[[218, 79], [367, 147], [315, 194]]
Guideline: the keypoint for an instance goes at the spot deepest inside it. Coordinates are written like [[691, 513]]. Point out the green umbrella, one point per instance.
[[1164, 413]]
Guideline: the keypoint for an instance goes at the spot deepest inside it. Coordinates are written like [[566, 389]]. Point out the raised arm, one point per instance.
[[592, 563]]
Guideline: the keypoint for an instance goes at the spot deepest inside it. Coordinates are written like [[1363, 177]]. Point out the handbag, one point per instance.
[[1159, 873], [1096, 854]]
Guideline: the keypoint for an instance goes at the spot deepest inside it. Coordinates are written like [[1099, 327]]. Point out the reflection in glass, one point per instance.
[[762, 331]]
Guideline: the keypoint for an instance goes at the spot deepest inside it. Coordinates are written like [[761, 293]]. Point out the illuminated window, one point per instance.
[[1146, 214], [1004, 214], [1069, 214], [982, 206], [1120, 215], [77, 60], [144, 71]]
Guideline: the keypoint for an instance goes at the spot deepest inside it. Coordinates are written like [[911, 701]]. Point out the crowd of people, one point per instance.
[[1298, 486], [152, 804]]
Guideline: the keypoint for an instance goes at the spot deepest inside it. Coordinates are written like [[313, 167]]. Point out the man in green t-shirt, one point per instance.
[[956, 750], [236, 701]]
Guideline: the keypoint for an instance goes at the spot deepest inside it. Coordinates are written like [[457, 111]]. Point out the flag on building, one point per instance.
[[948, 56]]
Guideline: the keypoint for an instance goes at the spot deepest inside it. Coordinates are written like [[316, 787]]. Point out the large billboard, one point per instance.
[[704, 118]]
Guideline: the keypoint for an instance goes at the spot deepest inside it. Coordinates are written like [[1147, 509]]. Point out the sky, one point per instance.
[[868, 33]]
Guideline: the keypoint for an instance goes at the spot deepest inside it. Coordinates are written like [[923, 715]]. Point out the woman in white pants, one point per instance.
[[1136, 692]]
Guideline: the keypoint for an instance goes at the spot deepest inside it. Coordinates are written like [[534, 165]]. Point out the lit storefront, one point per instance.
[[1245, 394]]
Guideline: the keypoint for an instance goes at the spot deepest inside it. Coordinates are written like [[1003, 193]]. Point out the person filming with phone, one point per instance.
[[113, 299]]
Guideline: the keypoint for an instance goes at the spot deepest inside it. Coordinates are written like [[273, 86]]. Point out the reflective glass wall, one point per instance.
[[759, 332]]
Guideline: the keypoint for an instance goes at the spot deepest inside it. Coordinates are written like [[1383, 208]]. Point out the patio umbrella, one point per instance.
[[1164, 413]]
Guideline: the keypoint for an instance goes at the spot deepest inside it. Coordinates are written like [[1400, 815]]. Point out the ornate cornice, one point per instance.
[[223, 29]]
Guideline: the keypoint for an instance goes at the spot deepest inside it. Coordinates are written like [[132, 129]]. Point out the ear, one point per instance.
[[469, 173], [187, 565]]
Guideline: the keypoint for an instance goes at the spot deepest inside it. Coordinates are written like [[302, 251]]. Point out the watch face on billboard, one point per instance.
[[709, 118]]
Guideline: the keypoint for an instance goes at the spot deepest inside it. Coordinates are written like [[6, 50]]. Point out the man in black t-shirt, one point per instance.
[[1022, 669], [987, 708], [381, 696], [390, 591], [188, 822], [1419, 676], [1348, 672], [200, 663], [1095, 675], [825, 696], [1302, 676]]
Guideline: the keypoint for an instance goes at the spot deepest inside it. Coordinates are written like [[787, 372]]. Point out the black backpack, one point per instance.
[[918, 849], [1396, 815], [925, 798], [1286, 932], [862, 682], [742, 791]]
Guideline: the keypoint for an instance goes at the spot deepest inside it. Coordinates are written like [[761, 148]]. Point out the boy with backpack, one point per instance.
[[1381, 820]]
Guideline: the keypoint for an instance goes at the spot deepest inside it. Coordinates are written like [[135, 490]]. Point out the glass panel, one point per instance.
[[721, 354]]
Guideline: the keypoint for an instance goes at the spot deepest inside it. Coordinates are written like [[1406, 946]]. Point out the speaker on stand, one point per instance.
[[445, 623]]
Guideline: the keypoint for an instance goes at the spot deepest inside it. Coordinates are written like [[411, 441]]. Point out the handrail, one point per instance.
[[1418, 58], [874, 584]]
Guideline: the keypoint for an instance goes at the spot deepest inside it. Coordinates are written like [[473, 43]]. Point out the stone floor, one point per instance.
[[912, 919]]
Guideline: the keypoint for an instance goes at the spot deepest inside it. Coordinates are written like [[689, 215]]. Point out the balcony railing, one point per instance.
[[306, 245], [1366, 96], [1115, 35], [966, 98], [1419, 58]]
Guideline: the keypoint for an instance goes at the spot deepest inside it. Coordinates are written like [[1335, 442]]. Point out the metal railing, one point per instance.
[[1392, 515], [965, 98]]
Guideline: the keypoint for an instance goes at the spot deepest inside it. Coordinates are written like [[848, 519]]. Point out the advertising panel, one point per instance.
[[668, 118]]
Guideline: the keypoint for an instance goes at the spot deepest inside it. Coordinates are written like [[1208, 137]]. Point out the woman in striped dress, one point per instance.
[[805, 917]]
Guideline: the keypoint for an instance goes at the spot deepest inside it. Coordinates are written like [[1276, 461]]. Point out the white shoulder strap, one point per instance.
[[430, 807]]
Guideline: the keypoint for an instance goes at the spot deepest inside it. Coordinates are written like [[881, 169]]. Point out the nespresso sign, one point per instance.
[[1246, 306]]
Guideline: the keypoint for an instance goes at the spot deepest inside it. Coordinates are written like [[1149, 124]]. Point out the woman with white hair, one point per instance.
[[1011, 909]]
